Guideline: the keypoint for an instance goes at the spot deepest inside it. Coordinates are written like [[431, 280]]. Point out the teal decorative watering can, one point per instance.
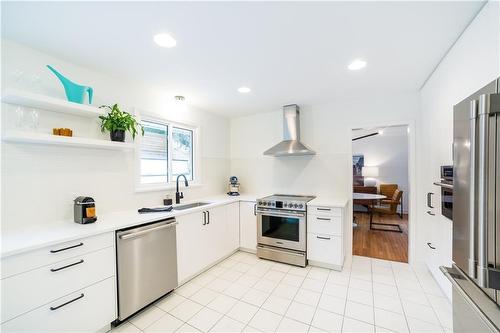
[[74, 92]]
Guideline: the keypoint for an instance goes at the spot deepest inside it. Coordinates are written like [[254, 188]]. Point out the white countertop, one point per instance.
[[328, 201], [19, 240]]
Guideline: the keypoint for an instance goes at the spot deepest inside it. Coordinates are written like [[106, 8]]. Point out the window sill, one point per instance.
[[163, 187]]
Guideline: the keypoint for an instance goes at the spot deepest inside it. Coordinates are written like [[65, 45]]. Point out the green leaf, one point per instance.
[[119, 120]]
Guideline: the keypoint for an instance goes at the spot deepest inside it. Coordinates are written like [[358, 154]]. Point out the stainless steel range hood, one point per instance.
[[291, 145]]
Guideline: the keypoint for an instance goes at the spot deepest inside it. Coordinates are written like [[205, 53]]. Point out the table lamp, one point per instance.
[[370, 172]]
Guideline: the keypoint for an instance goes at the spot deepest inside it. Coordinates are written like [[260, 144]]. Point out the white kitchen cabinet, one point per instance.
[[203, 238], [191, 248], [326, 233], [248, 226], [324, 249], [43, 288], [58, 279], [216, 233], [232, 240], [26, 261], [91, 309]]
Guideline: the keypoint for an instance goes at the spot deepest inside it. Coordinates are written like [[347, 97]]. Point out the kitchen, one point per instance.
[[229, 140]]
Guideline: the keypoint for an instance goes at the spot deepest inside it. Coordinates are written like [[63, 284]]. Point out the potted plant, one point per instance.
[[117, 122]]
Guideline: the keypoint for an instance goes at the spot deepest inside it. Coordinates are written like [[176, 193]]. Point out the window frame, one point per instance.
[[195, 152]]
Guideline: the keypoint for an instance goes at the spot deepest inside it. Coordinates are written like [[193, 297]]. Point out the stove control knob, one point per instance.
[[296, 206], [264, 203], [260, 203], [301, 206]]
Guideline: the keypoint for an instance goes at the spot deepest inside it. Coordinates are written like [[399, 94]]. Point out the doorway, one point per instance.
[[380, 171]]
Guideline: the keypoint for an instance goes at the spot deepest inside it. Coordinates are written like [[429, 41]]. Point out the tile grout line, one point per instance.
[[427, 298], [401, 301], [291, 301], [260, 307], [317, 304], [346, 297], [373, 293], [272, 268]]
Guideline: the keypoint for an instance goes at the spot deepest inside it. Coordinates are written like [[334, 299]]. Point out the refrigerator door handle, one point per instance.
[[472, 191], [482, 192]]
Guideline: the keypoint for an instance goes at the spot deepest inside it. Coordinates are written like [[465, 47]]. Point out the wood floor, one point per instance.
[[380, 244]]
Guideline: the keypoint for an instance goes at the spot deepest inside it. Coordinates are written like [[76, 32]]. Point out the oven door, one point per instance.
[[447, 202], [284, 229]]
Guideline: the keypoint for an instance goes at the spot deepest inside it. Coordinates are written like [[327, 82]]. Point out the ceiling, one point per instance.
[[286, 52]]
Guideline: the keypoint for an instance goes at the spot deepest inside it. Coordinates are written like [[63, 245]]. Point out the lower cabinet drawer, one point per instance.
[[24, 292], [329, 225], [324, 211], [324, 248], [27, 261], [87, 310]]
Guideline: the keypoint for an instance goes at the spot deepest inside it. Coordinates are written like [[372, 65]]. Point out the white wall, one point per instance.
[[40, 182], [389, 152], [325, 129], [471, 63]]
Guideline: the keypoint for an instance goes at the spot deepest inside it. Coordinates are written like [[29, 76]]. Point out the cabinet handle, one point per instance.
[[67, 266], [429, 245], [430, 213], [325, 209], [208, 215], [429, 199], [323, 219], [325, 238], [68, 302], [204, 218], [255, 209], [66, 248]]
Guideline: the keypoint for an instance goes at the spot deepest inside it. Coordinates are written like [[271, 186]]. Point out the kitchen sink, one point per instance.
[[191, 205]]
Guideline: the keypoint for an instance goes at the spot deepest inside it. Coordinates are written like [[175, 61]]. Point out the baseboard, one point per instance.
[[244, 249], [325, 265]]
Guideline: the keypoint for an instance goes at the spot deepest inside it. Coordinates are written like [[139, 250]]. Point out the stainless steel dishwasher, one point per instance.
[[146, 265]]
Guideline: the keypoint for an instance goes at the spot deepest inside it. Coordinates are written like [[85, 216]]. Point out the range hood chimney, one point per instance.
[[291, 145]]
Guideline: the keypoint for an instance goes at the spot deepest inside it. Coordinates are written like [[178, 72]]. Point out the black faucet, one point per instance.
[[180, 195]]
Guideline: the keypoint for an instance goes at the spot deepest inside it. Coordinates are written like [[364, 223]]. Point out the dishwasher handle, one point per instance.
[[146, 231]]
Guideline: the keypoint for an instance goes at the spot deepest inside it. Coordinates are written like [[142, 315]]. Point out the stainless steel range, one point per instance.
[[281, 228]]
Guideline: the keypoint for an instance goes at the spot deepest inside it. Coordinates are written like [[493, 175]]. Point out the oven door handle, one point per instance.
[[270, 213]]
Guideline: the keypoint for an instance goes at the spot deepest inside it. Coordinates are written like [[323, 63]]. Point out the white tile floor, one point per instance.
[[247, 294]]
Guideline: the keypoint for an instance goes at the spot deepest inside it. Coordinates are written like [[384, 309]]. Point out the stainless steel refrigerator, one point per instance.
[[475, 274]]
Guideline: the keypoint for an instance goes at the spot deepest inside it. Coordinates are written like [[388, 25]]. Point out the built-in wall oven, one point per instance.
[[447, 191], [281, 228], [446, 185]]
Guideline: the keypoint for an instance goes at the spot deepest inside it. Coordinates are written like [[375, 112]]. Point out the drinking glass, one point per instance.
[[34, 119], [19, 117]]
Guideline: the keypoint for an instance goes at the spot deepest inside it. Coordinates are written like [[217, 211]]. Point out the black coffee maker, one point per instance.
[[84, 209]]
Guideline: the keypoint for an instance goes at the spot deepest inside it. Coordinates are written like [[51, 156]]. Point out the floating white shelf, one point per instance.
[[77, 142], [38, 101]]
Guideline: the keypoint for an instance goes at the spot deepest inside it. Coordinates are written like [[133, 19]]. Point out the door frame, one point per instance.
[[412, 190]]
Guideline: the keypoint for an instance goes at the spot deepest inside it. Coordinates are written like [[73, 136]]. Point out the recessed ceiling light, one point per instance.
[[357, 64], [244, 90], [165, 40]]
